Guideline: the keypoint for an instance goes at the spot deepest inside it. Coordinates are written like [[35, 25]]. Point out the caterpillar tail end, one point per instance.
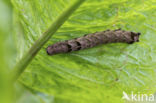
[[48, 50]]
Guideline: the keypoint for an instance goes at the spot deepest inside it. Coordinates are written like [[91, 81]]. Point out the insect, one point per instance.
[[94, 39]]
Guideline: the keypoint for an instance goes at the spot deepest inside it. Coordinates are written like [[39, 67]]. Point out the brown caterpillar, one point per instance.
[[91, 40]]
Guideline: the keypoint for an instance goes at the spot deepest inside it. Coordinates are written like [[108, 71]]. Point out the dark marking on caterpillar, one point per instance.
[[94, 39]]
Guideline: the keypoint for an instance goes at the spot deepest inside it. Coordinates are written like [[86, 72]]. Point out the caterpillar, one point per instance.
[[94, 39]]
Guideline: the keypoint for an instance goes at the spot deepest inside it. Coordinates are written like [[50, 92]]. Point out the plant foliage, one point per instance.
[[98, 74]]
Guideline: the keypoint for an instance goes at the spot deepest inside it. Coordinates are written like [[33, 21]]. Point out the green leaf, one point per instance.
[[98, 74], [38, 44], [7, 51]]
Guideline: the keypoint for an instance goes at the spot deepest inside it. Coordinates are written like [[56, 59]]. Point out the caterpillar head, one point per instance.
[[135, 37]]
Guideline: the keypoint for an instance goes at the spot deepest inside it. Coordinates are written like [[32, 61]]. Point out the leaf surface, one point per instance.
[[98, 74]]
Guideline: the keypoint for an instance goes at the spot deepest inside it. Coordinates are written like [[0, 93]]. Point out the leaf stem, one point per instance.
[[27, 58]]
